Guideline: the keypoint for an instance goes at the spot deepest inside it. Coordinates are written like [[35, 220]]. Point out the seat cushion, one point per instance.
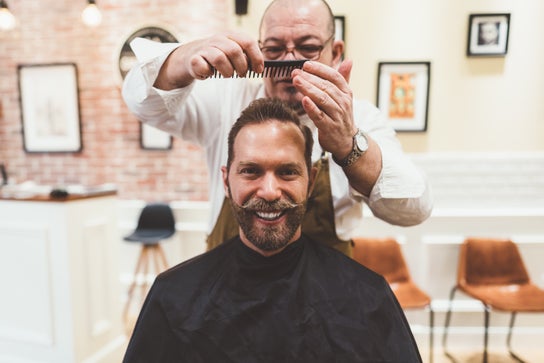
[[522, 298]]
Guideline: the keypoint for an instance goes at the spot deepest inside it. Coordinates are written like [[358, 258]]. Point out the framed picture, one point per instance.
[[152, 138], [339, 29], [126, 56], [403, 94], [488, 34], [49, 100]]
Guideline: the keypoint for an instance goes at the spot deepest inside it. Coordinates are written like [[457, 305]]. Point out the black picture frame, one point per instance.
[[50, 108], [157, 33], [340, 30], [403, 94], [152, 138], [488, 35], [340, 27]]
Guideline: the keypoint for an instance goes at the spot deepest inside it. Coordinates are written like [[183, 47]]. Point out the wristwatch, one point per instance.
[[360, 145]]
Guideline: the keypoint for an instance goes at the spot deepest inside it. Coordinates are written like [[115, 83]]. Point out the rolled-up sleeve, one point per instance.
[[401, 195]]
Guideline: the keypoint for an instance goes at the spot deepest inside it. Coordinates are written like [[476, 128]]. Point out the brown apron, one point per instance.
[[318, 222]]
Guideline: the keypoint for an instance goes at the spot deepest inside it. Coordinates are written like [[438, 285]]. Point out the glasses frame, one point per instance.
[[293, 50]]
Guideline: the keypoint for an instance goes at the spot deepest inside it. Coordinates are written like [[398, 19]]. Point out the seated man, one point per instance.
[[270, 294]]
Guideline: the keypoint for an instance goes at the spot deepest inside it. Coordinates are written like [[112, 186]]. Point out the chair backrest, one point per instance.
[[156, 216], [489, 261], [382, 255]]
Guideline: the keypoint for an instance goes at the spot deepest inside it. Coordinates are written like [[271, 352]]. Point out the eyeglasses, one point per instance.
[[302, 51]]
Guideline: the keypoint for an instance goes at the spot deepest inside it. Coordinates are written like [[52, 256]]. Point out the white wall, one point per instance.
[[476, 104]]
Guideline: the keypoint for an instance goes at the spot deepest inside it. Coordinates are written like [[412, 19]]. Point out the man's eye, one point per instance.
[[272, 49], [248, 171], [289, 172], [308, 48]]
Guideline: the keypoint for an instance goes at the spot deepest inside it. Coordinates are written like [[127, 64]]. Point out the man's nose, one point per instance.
[[269, 188], [290, 53]]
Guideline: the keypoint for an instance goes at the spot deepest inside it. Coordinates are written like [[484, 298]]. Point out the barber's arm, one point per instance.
[[328, 102], [229, 53], [392, 186], [159, 86]]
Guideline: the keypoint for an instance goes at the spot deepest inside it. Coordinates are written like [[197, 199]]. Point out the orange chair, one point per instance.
[[384, 256], [492, 271]]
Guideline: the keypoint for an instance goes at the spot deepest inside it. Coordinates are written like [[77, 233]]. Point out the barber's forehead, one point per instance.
[[296, 13]]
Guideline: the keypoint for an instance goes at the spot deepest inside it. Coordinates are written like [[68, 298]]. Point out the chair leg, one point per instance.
[[509, 338], [447, 324], [160, 259], [145, 269], [163, 258], [431, 336], [486, 323], [139, 264]]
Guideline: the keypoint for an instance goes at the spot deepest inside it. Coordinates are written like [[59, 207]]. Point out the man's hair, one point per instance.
[[331, 24], [264, 110]]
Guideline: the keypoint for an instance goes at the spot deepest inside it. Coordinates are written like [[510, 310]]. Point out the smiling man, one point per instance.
[[270, 294]]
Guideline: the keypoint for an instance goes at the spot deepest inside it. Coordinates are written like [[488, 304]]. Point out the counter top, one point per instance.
[[45, 194]]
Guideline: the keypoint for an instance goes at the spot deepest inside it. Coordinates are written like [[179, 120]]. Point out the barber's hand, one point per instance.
[[227, 53], [328, 101]]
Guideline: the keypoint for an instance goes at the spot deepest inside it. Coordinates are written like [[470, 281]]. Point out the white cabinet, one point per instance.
[[59, 281]]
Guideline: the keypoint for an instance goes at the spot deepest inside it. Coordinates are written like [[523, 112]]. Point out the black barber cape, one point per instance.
[[308, 303]]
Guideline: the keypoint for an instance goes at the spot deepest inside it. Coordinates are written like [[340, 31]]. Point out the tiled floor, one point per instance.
[[499, 356]]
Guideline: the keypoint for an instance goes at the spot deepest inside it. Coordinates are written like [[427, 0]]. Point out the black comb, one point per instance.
[[272, 69]]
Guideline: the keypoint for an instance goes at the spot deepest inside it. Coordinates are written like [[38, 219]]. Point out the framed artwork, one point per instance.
[[340, 27], [152, 138], [403, 94], [488, 34], [49, 101], [126, 56]]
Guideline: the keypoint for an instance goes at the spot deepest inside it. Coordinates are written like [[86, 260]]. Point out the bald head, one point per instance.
[[312, 10]]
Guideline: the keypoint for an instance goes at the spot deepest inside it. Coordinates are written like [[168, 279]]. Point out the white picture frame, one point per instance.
[[49, 101], [403, 94]]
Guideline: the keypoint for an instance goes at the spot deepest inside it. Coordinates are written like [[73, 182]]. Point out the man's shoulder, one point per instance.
[[338, 265], [197, 268]]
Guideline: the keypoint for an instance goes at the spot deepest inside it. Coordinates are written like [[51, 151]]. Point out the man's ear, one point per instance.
[[225, 174], [337, 51]]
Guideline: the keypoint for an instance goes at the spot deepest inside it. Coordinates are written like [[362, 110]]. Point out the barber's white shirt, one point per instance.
[[204, 112]]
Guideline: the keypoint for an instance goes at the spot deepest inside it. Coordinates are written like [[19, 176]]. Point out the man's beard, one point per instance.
[[269, 238]]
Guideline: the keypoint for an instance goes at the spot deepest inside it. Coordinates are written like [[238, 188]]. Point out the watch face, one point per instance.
[[127, 57], [362, 142]]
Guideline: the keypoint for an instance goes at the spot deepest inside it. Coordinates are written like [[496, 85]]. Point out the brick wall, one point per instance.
[[52, 32]]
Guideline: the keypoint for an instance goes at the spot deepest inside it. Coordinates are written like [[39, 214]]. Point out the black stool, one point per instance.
[[156, 223]]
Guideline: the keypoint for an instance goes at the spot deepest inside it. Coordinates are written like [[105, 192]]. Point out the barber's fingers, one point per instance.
[[251, 50], [339, 78], [227, 54], [332, 96], [345, 69]]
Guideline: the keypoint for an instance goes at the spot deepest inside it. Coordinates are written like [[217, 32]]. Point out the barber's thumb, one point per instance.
[[345, 69]]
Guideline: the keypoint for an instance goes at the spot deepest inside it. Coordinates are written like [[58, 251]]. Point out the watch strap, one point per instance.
[[354, 154]]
